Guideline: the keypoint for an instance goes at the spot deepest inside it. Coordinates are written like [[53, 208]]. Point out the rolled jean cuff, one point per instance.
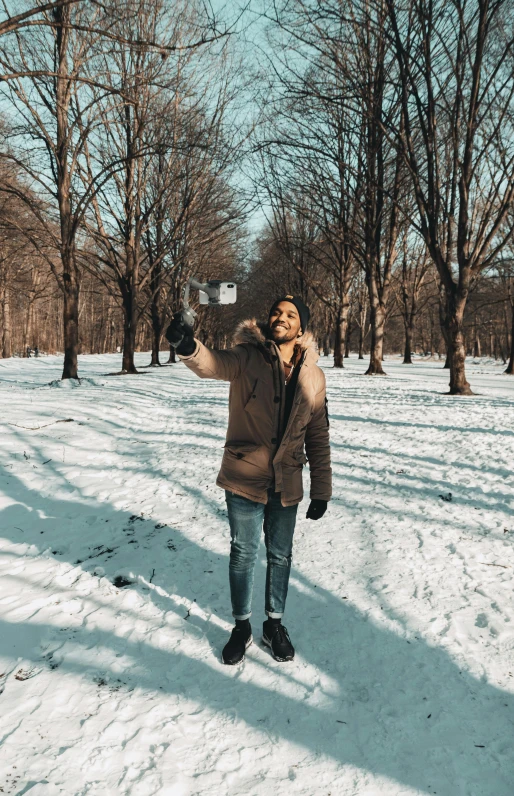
[[241, 617], [275, 614]]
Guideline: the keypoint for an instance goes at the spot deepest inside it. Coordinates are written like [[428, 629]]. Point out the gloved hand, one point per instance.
[[316, 509], [180, 335]]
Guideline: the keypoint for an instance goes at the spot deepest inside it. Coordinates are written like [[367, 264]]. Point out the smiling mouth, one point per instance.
[[279, 326]]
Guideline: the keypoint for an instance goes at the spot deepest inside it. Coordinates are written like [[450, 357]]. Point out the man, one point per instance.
[[277, 405]]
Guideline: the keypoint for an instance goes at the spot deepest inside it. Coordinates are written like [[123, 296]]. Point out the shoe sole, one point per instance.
[[227, 663], [267, 643]]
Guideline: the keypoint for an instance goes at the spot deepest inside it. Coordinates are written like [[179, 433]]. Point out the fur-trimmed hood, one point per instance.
[[254, 332]]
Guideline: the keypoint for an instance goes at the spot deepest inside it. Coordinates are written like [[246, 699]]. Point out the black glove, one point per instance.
[[180, 335], [316, 509]]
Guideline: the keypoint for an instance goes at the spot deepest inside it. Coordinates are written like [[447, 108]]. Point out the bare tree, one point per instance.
[[360, 306], [334, 75], [34, 16], [310, 160], [45, 142], [195, 210], [407, 283], [271, 272], [138, 80], [456, 70], [52, 83], [384, 192], [162, 149]]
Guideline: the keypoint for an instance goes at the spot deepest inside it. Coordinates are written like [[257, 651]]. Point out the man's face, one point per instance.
[[284, 323]]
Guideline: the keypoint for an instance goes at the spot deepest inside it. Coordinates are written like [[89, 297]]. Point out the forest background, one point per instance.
[[360, 155]]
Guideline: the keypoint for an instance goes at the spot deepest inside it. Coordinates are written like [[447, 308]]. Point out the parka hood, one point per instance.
[[254, 332]]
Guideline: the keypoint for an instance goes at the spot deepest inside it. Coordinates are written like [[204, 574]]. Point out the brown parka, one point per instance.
[[259, 453]]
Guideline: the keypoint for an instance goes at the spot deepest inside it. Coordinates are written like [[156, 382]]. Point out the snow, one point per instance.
[[400, 607]]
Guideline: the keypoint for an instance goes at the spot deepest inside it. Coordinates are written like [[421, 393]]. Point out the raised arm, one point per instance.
[[206, 363], [223, 365]]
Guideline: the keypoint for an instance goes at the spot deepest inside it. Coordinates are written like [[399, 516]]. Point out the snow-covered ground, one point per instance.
[[401, 602]]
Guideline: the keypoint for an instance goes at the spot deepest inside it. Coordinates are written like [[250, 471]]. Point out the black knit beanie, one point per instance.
[[303, 310]]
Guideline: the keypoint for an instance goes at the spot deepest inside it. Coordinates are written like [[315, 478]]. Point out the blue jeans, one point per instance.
[[246, 519]]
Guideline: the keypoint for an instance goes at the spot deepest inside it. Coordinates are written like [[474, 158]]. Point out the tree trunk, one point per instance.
[[423, 341], [6, 336], [477, 349], [156, 271], [447, 345], [457, 359], [340, 334], [457, 347], [70, 278], [443, 324], [129, 332], [107, 329], [407, 358], [155, 309], [326, 345], [70, 327], [510, 366], [173, 356], [156, 341], [347, 340], [377, 320], [361, 341], [27, 333]]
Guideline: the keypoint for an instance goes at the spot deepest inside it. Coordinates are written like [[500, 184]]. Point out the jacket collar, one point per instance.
[[254, 332]]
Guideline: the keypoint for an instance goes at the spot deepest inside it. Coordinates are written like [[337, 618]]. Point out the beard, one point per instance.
[[282, 335]]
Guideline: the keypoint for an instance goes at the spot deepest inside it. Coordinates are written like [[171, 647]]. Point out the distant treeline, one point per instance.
[[377, 138]]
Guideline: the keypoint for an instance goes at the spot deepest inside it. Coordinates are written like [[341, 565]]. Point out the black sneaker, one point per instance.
[[234, 650], [276, 637]]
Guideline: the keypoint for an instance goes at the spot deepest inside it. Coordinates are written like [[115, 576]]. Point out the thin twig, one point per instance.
[[38, 428]]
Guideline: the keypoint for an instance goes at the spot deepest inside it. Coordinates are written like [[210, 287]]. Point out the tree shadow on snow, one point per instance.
[[358, 693], [409, 424]]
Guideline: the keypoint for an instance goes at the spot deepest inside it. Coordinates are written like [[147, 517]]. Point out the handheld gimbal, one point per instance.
[[214, 292]]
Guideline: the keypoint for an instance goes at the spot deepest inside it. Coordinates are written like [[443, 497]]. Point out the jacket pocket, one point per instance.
[[294, 459], [246, 460], [241, 450]]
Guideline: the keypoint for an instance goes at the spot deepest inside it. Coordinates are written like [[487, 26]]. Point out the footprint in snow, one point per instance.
[[120, 581], [27, 674]]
